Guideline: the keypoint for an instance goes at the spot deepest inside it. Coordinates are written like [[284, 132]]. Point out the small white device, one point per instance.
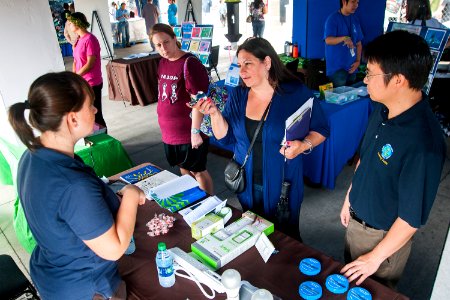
[[197, 272]]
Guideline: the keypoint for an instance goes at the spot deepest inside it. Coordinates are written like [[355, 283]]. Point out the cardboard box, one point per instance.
[[218, 249], [210, 223]]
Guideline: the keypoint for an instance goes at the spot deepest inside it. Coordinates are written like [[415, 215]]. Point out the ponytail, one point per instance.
[[21, 127], [51, 96]]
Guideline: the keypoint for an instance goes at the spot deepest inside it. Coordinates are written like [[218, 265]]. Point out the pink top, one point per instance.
[[88, 45], [174, 89]]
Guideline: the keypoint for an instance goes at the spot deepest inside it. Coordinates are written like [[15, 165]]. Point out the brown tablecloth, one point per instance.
[[135, 78], [280, 274]]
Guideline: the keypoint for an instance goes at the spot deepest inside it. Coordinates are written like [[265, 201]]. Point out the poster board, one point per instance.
[[196, 39], [436, 39]]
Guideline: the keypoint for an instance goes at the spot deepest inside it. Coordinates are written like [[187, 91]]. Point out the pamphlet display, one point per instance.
[[436, 39], [196, 39]]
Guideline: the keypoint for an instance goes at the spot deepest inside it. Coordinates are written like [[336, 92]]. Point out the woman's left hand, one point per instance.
[[196, 140], [293, 148]]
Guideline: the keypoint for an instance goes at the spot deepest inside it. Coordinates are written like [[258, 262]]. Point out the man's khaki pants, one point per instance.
[[360, 240]]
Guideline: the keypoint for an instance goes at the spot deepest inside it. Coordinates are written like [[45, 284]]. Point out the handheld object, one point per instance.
[[196, 98]]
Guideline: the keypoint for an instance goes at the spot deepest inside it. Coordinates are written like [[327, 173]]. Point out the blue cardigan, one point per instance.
[[286, 100]]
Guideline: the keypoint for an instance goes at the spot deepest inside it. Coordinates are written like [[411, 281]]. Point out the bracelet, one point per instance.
[[195, 131], [311, 147]]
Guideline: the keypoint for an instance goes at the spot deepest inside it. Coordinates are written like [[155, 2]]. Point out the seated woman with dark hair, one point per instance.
[[267, 82], [80, 226]]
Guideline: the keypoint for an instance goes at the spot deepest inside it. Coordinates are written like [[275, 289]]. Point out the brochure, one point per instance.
[[153, 181], [139, 174], [177, 193]]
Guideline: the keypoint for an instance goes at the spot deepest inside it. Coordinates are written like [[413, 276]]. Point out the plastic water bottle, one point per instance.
[[164, 264]]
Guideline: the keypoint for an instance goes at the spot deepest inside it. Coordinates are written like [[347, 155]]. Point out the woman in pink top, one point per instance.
[[87, 60]]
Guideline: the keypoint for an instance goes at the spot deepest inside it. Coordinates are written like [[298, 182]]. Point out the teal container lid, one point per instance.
[[359, 293], [310, 290], [337, 284], [310, 266]]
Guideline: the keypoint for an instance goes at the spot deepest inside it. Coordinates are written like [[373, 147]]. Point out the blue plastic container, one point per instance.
[[310, 290], [337, 283], [310, 266], [359, 293]]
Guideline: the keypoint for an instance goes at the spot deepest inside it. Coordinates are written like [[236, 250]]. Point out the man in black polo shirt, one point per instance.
[[401, 159]]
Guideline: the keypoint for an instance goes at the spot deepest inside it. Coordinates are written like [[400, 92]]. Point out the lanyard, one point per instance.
[[349, 27]]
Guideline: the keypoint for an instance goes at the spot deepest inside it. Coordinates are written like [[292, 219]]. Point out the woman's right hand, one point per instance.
[[130, 190], [206, 107]]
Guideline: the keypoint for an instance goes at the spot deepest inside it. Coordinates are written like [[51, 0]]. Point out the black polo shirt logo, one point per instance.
[[386, 153]]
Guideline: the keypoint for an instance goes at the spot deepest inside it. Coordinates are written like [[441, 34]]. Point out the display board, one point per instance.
[[436, 39], [196, 39]]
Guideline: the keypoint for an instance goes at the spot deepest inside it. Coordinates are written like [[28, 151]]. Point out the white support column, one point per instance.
[[29, 49]]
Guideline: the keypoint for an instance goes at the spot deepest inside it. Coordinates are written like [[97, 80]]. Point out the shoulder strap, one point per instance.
[[256, 133]]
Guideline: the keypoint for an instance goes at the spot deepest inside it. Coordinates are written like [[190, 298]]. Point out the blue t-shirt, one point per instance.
[[172, 14], [66, 203], [339, 57], [119, 13]]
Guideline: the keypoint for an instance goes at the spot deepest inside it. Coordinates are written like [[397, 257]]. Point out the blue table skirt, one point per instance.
[[66, 49], [347, 123]]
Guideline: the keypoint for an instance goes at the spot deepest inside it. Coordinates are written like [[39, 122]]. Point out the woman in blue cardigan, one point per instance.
[[266, 80]]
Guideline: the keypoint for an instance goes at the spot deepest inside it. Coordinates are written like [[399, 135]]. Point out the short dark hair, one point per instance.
[[261, 48], [66, 5], [50, 97], [342, 4], [400, 52], [418, 10]]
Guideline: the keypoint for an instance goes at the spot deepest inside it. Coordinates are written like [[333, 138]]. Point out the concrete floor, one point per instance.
[[136, 127]]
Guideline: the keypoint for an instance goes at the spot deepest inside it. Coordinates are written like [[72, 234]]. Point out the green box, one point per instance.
[[218, 249]]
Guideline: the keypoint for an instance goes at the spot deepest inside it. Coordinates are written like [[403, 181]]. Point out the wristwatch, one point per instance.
[[195, 131]]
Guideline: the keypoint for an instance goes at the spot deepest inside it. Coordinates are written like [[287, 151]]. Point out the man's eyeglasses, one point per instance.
[[368, 76]]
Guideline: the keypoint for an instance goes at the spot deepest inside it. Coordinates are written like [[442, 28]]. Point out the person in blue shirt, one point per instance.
[[172, 13], [80, 226], [122, 16], [343, 46], [267, 81], [401, 159]]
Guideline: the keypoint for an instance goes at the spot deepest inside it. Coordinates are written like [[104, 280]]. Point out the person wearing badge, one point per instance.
[[343, 48], [402, 156]]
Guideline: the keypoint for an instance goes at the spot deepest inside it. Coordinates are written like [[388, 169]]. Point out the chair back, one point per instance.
[[292, 66], [13, 282], [214, 57]]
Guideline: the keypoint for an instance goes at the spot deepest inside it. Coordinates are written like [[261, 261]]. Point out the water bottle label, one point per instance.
[[165, 271]]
